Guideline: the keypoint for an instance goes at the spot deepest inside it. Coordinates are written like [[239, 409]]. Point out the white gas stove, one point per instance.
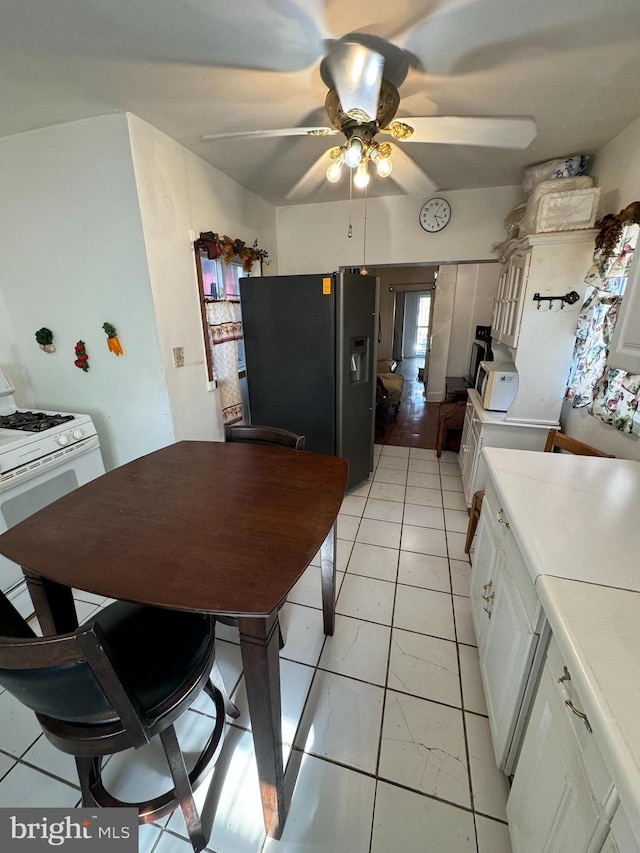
[[43, 456]]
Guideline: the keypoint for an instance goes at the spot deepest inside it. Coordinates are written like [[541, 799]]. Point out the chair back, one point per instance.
[[556, 439], [67, 677], [264, 435]]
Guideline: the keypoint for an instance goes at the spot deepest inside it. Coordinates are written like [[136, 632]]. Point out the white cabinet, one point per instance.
[[540, 335], [552, 807], [507, 623], [483, 428], [625, 345], [509, 304]]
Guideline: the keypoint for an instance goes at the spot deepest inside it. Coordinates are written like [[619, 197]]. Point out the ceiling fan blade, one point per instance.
[[356, 72], [273, 134], [280, 36], [409, 176], [471, 130], [312, 180]]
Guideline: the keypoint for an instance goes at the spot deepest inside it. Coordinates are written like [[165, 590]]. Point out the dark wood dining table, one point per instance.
[[221, 528]]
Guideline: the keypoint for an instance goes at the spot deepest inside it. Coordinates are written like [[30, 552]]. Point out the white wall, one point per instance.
[[85, 239], [313, 237], [476, 287], [73, 258], [441, 332], [616, 169], [180, 195]]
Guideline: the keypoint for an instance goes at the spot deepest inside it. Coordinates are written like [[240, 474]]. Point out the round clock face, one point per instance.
[[435, 214]]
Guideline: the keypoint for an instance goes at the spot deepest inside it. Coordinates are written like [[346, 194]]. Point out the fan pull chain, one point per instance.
[[350, 229], [364, 270]]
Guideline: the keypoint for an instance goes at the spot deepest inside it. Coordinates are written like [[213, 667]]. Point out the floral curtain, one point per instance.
[[225, 330], [611, 393]]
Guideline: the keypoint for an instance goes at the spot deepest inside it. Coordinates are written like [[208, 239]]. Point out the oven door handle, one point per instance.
[[33, 469]]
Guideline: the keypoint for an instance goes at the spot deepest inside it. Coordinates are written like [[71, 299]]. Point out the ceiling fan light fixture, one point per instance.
[[361, 179], [384, 167], [380, 154], [335, 171], [354, 152]]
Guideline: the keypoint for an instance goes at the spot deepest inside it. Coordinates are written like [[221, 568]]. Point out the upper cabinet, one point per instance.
[[624, 351], [539, 331]]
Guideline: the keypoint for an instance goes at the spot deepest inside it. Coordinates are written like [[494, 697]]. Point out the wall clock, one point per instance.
[[435, 214]]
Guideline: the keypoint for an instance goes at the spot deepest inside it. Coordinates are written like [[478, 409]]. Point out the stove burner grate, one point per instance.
[[32, 421]]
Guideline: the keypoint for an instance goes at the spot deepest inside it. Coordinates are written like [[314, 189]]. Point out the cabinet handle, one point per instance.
[[582, 716], [487, 607], [486, 595], [502, 519], [565, 676]]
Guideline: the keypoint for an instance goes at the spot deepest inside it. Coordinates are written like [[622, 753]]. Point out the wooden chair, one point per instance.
[[450, 417], [113, 684], [264, 435], [555, 439], [251, 433]]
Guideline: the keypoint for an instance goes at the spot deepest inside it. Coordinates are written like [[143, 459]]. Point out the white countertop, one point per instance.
[[491, 416], [594, 501], [596, 629], [576, 520]]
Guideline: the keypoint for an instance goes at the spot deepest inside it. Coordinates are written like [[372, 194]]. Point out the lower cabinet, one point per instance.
[[483, 428], [507, 624], [552, 807]]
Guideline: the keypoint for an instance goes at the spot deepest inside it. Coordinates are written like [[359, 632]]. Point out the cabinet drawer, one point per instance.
[[599, 778]]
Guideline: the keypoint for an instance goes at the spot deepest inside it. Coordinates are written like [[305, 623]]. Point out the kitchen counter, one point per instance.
[[575, 519], [594, 501]]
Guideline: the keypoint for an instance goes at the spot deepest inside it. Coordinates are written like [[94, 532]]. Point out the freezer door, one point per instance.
[[289, 332], [356, 327]]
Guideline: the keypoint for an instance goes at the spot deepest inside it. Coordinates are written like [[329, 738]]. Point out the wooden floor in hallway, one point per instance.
[[417, 422]]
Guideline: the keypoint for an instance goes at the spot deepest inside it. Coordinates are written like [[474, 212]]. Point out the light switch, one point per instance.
[[178, 356]]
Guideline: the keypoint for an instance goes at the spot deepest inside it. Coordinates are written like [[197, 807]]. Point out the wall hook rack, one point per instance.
[[569, 298]]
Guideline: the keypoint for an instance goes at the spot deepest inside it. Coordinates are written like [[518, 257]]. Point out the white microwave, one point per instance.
[[497, 384]]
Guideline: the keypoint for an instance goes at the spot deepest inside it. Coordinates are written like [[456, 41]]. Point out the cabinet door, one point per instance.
[[466, 457], [506, 657], [550, 807], [625, 344], [497, 323], [485, 557], [514, 298]]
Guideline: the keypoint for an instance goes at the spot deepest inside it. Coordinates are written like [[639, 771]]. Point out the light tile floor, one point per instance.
[[385, 725]]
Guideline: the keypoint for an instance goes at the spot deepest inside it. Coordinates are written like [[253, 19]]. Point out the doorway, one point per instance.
[[413, 311]]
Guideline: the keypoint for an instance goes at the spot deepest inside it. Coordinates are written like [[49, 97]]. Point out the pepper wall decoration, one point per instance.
[[112, 339], [82, 359]]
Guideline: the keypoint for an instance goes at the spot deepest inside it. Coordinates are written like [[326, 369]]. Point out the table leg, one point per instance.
[[259, 644], [328, 574], [53, 603]]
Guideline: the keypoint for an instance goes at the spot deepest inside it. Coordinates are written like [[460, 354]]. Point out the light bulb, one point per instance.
[[384, 167], [334, 171], [362, 175], [353, 154]]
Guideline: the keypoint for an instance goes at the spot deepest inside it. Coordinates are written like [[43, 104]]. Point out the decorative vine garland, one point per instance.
[[227, 249], [611, 227]]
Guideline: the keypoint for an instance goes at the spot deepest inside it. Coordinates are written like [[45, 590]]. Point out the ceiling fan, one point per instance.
[[363, 73]]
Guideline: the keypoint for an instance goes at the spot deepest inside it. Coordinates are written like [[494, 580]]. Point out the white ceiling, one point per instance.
[[195, 67]]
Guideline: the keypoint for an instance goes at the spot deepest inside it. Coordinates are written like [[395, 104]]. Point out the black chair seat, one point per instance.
[[115, 683], [157, 650]]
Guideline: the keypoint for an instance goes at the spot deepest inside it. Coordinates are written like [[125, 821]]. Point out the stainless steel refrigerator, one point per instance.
[[310, 345]]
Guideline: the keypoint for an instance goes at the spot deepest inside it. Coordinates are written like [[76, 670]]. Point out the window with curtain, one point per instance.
[[219, 284], [610, 393]]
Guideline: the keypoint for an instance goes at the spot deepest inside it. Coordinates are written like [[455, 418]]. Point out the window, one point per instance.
[[422, 326]]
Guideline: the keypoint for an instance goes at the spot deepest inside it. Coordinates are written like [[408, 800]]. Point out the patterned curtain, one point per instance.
[[225, 330], [611, 393]]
